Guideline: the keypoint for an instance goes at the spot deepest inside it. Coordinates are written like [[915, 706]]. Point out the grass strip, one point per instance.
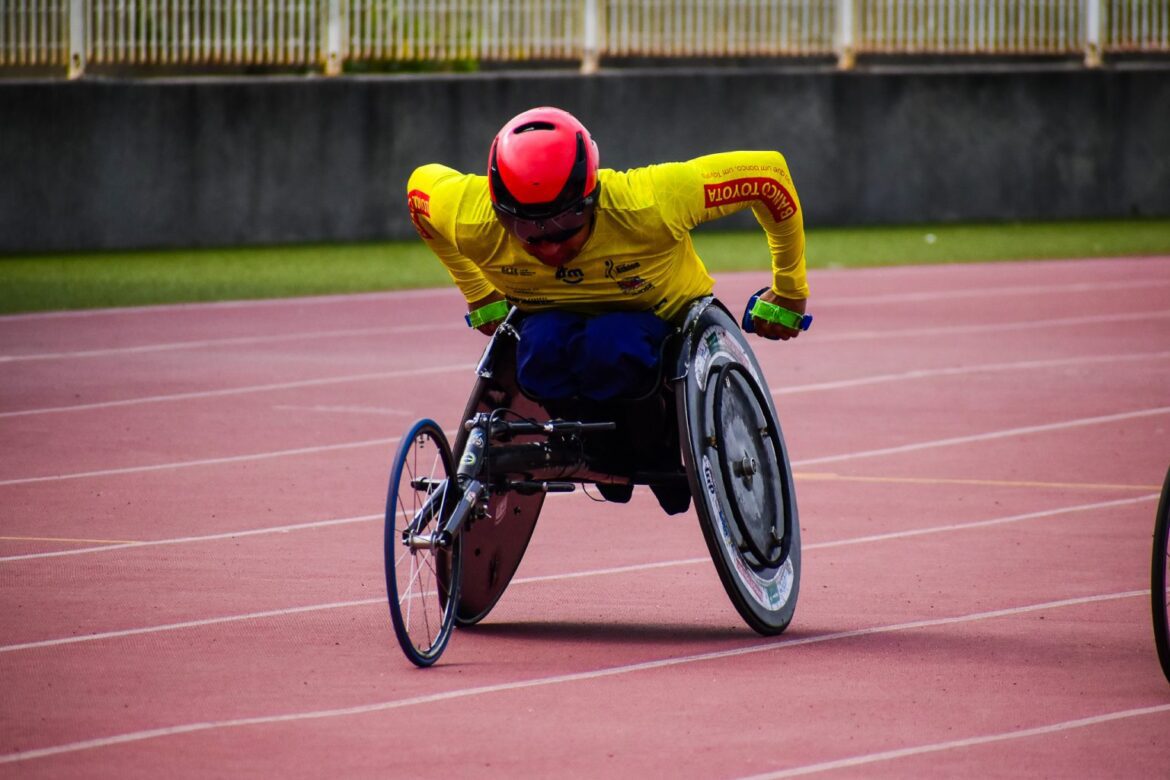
[[102, 279]]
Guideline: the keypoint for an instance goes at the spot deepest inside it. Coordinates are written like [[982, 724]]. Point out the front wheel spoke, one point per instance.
[[401, 559], [415, 573], [402, 510], [404, 596], [426, 616]]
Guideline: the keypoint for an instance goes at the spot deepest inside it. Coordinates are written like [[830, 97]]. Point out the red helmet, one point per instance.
[[542, 174]]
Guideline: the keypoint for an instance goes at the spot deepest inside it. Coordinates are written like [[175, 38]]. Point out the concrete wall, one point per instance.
[[120, 164]]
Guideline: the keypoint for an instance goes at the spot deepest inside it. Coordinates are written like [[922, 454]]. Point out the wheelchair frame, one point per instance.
[[455, 535]]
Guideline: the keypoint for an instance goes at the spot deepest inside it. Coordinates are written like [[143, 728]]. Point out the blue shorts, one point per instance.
[[611, 355]]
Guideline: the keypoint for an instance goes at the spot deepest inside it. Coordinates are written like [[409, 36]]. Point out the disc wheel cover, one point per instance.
[[750, 477]]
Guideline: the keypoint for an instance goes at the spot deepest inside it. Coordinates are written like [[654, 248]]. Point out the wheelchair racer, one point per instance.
[[600, 261]]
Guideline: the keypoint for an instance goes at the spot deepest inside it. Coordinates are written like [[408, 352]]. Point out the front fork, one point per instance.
[[471, 491]]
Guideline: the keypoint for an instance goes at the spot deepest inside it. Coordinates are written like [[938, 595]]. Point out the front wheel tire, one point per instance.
[[422, 583]]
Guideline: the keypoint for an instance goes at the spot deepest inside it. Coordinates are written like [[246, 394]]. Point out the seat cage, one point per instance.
[[707, 435]]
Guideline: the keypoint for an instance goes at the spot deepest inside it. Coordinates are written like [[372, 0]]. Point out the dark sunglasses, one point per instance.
[[551, 230]]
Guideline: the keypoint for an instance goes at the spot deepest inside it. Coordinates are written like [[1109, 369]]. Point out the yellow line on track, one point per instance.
[[829, 476], [63, 541]]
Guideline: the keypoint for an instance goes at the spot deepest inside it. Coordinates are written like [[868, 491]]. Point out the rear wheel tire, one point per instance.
[[1158, 578], [740, 475]]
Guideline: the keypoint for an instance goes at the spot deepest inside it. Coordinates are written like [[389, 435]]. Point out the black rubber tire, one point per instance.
[[1158, 578], [422, 585], [764, 594]]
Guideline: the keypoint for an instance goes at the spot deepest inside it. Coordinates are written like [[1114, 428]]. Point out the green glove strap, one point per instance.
[[487, 314], [777, 314]]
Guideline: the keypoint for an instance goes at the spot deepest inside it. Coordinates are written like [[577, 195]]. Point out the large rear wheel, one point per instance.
[[422, 581], [740, 474]]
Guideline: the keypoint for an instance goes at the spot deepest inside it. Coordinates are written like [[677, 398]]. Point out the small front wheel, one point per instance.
[[422, 579]]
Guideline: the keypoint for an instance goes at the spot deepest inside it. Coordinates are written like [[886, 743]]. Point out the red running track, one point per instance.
[[191, 575]]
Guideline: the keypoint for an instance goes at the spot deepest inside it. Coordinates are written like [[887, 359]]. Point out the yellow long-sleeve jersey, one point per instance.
[[639, 256]]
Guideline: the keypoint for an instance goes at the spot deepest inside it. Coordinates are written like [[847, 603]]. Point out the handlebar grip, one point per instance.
[[791, 319], [597, 426]]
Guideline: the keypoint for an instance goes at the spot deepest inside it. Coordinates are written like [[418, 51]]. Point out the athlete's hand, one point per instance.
[[774, 330], [488, 328]]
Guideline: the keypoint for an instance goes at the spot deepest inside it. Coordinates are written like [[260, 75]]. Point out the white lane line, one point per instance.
[[426, 328], [561, 679], [628, 569], [830, 337], [279, 529], [379, 411], [205, 462], [850, 336], [449, 292], [1024, 431], [957, 744], [231, 342], [271, 613], [938, 529], [806, 462], [998, 327], [927, 373], [468, 368], [311, 300], [997, 292]]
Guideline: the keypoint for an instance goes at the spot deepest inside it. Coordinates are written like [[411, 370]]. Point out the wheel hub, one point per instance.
[[745, 468]]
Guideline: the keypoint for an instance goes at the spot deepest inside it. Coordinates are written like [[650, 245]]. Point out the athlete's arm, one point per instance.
[[434, 194], [716, 185]]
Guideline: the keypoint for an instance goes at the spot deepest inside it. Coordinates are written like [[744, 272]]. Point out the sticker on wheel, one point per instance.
[[714, 344], [714, 502], [771, 592]]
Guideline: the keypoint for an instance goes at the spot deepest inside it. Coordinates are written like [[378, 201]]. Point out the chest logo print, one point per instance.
[[611, 268], [570, 275]]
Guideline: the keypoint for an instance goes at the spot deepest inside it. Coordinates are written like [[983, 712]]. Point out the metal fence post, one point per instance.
[[591, 55], [1092, 33], [334, 38], [77, 36], [844, 46]]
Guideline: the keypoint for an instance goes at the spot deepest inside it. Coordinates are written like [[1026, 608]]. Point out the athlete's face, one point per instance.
[[558, 250]]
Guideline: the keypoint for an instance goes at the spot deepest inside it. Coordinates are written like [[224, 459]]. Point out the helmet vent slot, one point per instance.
[[534, 126]]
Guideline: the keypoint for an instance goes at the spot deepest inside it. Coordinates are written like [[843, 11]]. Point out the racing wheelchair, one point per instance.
[[458, 520]]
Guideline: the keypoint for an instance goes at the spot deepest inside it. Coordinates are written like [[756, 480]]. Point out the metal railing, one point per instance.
[[451, 30], [327, 34], [943, 26], [735, 28]]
